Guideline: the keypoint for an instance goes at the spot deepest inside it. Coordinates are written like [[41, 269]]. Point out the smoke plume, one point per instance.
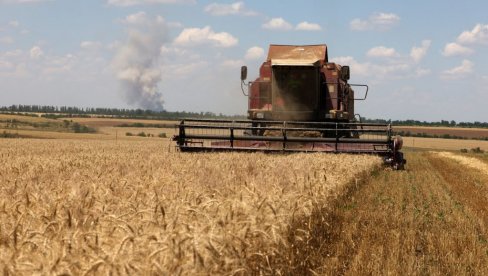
[[136, 63]]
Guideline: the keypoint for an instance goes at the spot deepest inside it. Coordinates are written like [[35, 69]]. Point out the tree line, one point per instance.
[[441, 123], [71, 111]]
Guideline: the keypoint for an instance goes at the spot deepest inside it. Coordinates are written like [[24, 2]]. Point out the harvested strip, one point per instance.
[[430, 219], [467, 161]]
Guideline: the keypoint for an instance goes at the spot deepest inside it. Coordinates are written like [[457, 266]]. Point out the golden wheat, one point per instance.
[[90, 207], [465, 161]]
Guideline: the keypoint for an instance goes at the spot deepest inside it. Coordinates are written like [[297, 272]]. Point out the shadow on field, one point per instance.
[[312, 239]]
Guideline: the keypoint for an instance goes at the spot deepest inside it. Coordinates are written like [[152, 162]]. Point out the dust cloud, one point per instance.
[[136, 62]]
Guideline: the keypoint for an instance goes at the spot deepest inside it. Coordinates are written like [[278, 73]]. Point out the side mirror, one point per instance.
[[345, 73], [243, 73]]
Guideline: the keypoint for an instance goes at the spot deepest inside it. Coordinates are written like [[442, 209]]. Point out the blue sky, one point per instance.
[[424, 60]]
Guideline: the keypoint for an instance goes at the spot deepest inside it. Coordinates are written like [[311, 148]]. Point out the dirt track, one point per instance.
[[430, 219]]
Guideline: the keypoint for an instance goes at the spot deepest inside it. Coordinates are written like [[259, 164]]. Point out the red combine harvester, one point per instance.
[[300, 102]]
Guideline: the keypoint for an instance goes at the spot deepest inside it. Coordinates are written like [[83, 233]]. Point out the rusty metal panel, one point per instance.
[[260, 95], [254, 96], [331, 77], [265, 71], [298, 52]]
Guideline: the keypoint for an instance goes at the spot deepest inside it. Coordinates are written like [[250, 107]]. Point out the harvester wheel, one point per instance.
[[399, 161]]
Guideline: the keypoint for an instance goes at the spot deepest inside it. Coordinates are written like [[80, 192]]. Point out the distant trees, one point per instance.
[[143, 134], [69, 111], [79, 128], [442, 123]]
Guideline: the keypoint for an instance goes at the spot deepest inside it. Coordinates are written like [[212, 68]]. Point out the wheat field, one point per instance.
[[87, 207]]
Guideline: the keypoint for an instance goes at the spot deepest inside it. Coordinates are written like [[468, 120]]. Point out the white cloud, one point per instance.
[[198, 36], [175, 24], [32, 64], [232, 63], [36, 52], [464, 69], [421, 72], [306, 26], [14, 53], [58, 65], [141, 19], [6, 40], [478, 35], [136, 18], [418, 53], [114, 45], [398, 68], [236, 8], [5, 64], [183, 70], [356, 67], [91, 45], [377, 21], [382, 51], [254, 53], [126, 3], [21, 1], [14, 23], [173, 51], [455, 49], [277, 24]]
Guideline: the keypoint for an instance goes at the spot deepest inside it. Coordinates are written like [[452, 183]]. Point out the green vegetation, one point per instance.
[[442, 123], [55, 112], [473, 150], [147, 125], [64, 126], [6, 134], [143, 134], [79, 128]]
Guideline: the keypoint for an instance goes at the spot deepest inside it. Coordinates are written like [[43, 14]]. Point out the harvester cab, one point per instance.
[[300, 102]]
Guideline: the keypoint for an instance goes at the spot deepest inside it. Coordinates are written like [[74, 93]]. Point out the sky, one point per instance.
[[422, 60]]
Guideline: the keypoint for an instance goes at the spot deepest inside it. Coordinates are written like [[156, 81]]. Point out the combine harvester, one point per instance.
[[300, 102]]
